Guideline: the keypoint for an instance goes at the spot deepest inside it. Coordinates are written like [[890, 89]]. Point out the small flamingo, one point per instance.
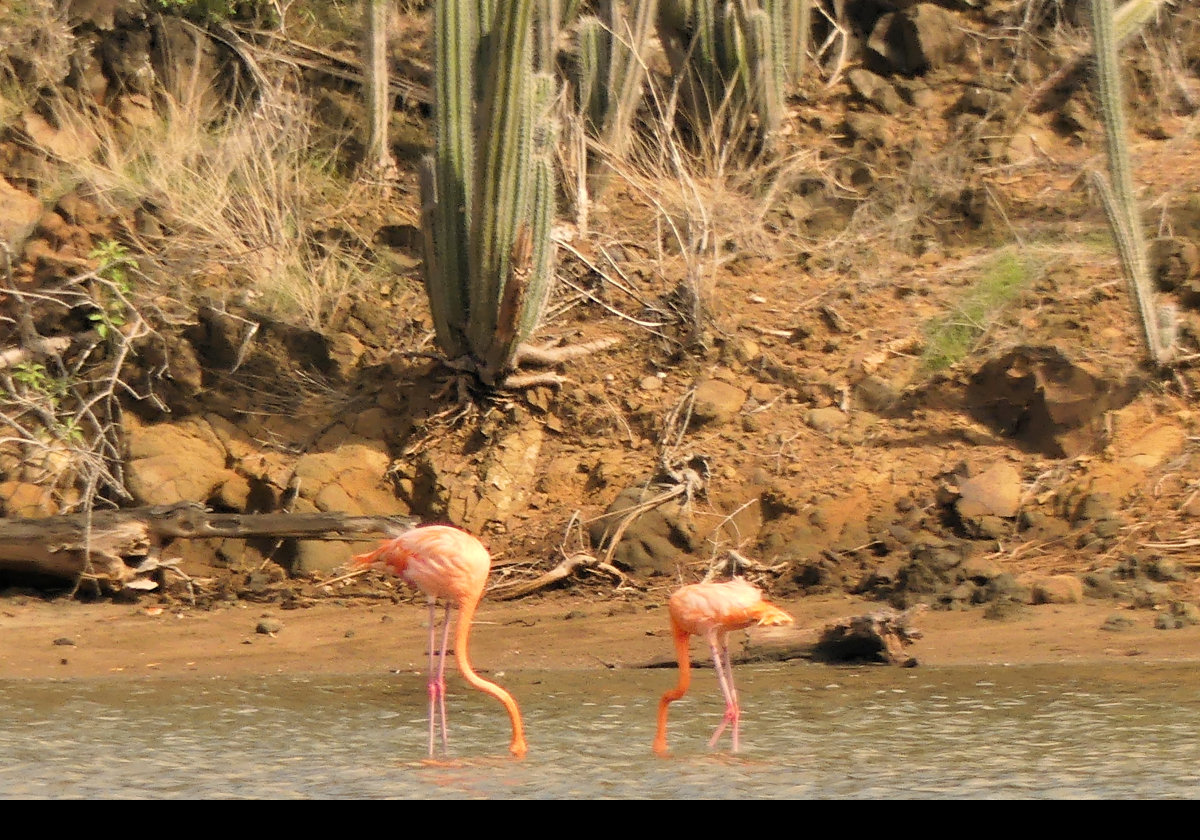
[[451, 565], [712, 610]]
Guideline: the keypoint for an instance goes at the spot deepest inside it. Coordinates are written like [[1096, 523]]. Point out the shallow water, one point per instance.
[[808, 731]]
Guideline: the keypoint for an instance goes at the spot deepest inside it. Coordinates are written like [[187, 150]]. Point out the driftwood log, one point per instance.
[[115, 545], [877, 637]]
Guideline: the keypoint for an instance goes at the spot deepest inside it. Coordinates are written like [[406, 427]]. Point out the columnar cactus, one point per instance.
[[1117, 191], [488, 190], [609, 74], [737, 56]]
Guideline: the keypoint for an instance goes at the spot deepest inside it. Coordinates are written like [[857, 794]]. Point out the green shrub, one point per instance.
[[951, 338]]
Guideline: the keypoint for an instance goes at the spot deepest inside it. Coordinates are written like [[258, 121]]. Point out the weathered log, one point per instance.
[[111, 544], [878, 636], [872, 637]]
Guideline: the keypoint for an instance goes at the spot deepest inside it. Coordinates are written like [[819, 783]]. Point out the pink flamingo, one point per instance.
[[712, 610], [450, 565]]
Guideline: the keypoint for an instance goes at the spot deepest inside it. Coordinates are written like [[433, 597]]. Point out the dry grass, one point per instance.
[[35, 43], [692, 205], [245, 200]]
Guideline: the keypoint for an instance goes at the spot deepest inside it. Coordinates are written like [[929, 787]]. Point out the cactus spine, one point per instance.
[[488, 191]]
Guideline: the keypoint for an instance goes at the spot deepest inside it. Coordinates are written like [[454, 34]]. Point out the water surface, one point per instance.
[[808, 731]]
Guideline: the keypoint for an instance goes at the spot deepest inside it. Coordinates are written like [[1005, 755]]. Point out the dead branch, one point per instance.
[[13, 356], [874, 637], [562, 571], [290, 51]]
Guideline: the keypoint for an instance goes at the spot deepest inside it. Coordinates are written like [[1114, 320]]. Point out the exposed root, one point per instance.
[[518, 381], [543, 356], [547, 356]]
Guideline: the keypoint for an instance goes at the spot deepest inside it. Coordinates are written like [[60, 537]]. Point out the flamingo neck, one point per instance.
[[683, 655], [462, 633]]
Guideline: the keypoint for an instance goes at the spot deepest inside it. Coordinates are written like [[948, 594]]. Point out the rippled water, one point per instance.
[[808, 731]]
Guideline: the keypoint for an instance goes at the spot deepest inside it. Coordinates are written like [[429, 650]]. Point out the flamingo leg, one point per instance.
[[724, 668], [437, 676], [431, 686], [441, 677]]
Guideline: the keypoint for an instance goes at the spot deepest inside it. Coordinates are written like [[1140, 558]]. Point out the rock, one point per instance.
[[489, 494], [653, 541], [717, 402], [876, 394], [268, 626], [1005, 588], [1174, 262], [994, 492], [915, 40], [872, 129], [19, 215], [66, 144], [345, 352], [1166, 621], [326, 556], [1095, 507], [1165, 570], [980, 101], [1187, 612], [170, 463], [827, 419], [1116, 622], [32, 501], [875, 89], [1057, 589], [746, 351], [1045, 400], [349, 479], [981, 570]]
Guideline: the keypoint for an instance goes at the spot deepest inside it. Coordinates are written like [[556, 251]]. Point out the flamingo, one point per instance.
[[450, 565], [712, 610]]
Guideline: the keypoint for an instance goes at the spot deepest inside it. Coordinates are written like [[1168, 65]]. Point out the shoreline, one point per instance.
[[72, 640]]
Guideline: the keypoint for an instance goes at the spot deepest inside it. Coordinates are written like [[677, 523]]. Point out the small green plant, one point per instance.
[[36, 381], [33, 383], [950, 338], [110, 312], [31, 375]]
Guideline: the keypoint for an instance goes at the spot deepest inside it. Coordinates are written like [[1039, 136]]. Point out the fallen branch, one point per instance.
[[117, 543]]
